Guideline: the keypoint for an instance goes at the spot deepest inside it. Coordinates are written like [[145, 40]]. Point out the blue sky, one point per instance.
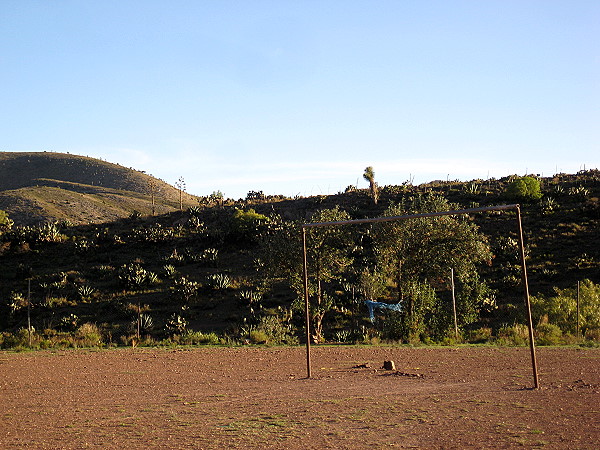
[[298, 97]]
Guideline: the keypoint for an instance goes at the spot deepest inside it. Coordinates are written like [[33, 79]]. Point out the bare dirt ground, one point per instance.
[[260, 398]]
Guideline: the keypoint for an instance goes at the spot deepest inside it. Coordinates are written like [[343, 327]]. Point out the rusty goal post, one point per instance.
[[524, 279]]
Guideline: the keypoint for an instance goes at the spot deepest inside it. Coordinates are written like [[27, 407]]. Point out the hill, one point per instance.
[[184, 276], [42, 186]]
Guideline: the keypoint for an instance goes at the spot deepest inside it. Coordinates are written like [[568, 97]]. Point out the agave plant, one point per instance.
[[210, 254], [170, 270], [49, 232], [194, 211], [220, 280], [473, 188], [85, 292], [251, 296], [144, 324], [195, 222], [152, 278], [579, 191], [548, 204], [132, 275], [176, 324]]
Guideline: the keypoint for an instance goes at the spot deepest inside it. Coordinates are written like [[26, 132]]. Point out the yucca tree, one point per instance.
[[180, 185], [369, 175]]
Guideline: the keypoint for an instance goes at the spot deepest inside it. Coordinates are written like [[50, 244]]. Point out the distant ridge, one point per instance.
[[46, 186]]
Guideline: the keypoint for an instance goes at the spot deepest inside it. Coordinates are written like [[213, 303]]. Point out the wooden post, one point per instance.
[[139, 319], [454, 304], [29, 310], [578, 309], [527, 301], [306, 304]]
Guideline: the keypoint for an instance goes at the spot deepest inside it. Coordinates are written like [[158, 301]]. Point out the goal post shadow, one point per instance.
[[524, 279]]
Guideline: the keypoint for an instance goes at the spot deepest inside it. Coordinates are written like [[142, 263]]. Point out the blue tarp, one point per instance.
[[374, 305]]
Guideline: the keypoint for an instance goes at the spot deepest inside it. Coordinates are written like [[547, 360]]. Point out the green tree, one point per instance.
[[524, 188], [328, 256], [248, 225], [369, 175], [561, 308], [421, 251], [328, 253]]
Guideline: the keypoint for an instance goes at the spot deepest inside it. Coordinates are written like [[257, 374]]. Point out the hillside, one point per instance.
[[43, 186], [186, 275]]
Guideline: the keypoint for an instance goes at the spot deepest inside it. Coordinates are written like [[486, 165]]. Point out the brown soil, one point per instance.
[[260, 397]]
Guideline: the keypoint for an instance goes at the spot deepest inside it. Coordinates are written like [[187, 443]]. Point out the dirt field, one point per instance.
[[260, 398]]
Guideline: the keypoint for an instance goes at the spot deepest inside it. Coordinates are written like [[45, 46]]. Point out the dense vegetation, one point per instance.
[[230, 271]]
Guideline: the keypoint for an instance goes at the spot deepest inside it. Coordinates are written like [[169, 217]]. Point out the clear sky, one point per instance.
[[298, 97]]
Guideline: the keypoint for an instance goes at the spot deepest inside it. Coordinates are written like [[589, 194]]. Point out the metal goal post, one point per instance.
[[424, 215]]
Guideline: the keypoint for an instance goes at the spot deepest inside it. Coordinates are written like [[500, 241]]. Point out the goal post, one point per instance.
[[524, 279]]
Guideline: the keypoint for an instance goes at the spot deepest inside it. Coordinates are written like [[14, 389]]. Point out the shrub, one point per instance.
[[53, 302], [517, 334], [269, 330], [210, 255], [416, 321], [479, 335], [451, 337], [18, 340], [524, 188], [88, 335], [135, 215], [133, 340], [548, 205], [343, 336], [257, 336], [184, 289], [104, 271], [70, 322], [175, 257], [146, 323], [548, 334], [198, 338], [472, 188], [48, 232], [154, 233], [593, 334], [176, 324], [561, 309], [133, 275], [195, 223], [247, 225], [393, 326], [194, 211], [5, 223]]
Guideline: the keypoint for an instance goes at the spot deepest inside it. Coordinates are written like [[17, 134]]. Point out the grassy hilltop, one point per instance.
[[44, 186]]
